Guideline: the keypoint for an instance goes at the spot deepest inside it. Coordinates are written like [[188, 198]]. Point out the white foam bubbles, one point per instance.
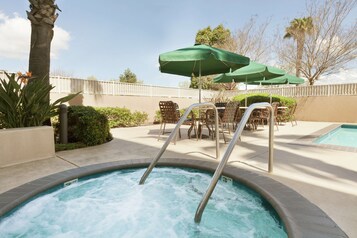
[[114, 205]]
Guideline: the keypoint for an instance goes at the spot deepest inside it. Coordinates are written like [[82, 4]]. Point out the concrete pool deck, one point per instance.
[[326, 177]]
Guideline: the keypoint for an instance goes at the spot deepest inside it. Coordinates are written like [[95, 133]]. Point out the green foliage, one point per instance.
[[299, 27], [216, 37], [69, 146], [157, 117], [140, 118], [206, 82], [128, 77], [87, 125], [122, 117], [264, 97], [25, 104]]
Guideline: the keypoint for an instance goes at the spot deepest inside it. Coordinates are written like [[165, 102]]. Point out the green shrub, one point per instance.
[[140, 118], [122, 117], [264, 97], [87, 125], [2, 123], [157, 118]]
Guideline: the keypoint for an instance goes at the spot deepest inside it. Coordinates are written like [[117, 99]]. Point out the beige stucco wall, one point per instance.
[[20, 145], [329, 109], [134, 103]]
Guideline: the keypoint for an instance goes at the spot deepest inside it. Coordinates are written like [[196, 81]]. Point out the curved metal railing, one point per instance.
[[174, 132], [229, 150]]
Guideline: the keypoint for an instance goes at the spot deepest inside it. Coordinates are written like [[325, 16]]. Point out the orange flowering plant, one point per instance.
[[24, 104]]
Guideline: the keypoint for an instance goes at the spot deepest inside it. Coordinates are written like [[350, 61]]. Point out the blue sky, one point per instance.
[[103, 38]]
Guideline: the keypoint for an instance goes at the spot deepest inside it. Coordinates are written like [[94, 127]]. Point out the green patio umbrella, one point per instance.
[[200, 60], [285, 79], [251, 73]]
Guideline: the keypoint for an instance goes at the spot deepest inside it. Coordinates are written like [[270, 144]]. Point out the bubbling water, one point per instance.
[[114, 205]]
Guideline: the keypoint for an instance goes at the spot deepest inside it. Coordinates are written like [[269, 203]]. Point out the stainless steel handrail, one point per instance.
[[229, 150], [174, 132]]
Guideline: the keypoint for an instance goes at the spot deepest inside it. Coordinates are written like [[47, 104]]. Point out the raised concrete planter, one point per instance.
[[20, 145]]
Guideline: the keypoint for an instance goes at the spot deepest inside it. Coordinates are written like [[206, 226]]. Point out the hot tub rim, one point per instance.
[[301, 218]]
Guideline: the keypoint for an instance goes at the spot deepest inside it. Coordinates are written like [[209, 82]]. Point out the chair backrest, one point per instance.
[[169, 111], [230, 112], [239, 114], [210, 116], [220, 104], [275, 108]]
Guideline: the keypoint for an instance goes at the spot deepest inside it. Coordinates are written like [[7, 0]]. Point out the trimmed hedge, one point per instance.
[[264, 97], [87, 125], [122, 117]]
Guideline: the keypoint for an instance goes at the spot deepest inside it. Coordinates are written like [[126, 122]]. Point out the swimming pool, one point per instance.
[[344, 135], [300, 217], [114, 205]]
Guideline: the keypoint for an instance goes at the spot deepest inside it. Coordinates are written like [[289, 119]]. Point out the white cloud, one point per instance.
[[60, 41], [342, 77], [15, 33]]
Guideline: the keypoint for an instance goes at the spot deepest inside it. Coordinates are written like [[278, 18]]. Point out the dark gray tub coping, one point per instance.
[[301, 217]]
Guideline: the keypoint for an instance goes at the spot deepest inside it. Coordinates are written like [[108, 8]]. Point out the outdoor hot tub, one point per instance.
[[106, 200]]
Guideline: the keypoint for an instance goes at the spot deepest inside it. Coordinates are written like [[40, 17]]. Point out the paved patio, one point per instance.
[[326, 177]]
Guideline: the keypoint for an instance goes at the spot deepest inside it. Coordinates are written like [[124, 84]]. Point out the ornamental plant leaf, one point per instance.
[[25, 104]]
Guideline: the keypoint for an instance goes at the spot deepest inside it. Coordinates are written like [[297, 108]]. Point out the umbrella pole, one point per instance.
[[199, 84], [270, 93], [246, 90], [270, 98]]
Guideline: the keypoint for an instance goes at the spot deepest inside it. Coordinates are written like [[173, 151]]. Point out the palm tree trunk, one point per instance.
[[300, 48], [39, 62], [42, 16]]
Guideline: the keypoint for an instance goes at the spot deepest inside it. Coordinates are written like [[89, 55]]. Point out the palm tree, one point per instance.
[[42, 16], [298, 29]]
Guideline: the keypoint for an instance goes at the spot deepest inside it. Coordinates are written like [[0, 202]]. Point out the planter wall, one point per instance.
[[21, 145]]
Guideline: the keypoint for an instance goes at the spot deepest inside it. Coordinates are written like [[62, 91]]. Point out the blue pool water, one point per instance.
[[345, 135], [114, 205]]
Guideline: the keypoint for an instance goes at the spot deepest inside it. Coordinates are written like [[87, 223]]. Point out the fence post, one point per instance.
[[63, 120]]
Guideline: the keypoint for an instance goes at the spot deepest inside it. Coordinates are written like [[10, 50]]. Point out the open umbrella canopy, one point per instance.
[[253, 72], [200, 60], [285, 79]]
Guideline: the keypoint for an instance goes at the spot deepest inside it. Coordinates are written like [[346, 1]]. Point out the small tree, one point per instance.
[[219, 37], [128, 77], [216, 37]]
